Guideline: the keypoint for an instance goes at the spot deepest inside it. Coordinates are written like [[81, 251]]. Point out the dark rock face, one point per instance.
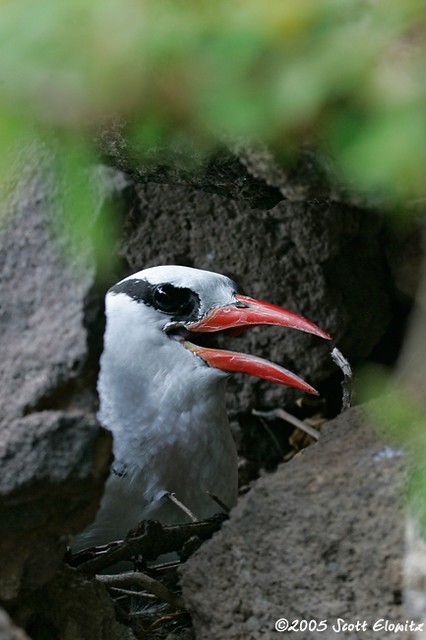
[[221, 172], [314, 257], [320, 538], [80, 609], [54, 462], [53, 467], [42, 310], [311, 248]]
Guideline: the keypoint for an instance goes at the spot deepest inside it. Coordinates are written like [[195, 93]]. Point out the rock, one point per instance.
[[411, 369], [415, 574], [314, 251], [41, 338], [53, 469], [310, 249], [295, 236], [322, 538], [220, 171], [54, 455], [70, 607], [313, 257]]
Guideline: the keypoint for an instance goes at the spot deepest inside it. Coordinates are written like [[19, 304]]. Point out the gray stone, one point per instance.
[[53, 454], [71, 607], [321, 538]]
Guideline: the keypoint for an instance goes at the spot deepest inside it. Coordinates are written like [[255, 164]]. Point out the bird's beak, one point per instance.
[[236, 318]]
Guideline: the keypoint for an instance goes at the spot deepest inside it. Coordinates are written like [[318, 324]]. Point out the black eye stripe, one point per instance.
[[179, 302], [138, 290]]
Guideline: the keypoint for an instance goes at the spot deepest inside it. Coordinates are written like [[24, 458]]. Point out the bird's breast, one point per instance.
[[178, 441]]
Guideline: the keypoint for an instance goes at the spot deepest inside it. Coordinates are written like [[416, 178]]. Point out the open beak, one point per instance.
[[234, 319]]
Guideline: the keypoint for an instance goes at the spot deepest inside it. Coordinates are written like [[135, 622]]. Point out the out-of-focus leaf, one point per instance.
[[87, 229], [387, 152], [399, 417], [15, 133], [187, 73], [393, 411]]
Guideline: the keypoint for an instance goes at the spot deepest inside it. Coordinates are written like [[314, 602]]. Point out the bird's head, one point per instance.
[[173, 315]]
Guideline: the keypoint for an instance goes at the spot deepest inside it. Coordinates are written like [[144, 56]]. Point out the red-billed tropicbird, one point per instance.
[[162, 394]]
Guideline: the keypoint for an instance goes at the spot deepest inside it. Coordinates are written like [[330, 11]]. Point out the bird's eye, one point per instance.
[[172, 299]]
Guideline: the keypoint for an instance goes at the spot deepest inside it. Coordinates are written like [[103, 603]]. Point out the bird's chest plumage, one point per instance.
[[172, 438], [192, 455]]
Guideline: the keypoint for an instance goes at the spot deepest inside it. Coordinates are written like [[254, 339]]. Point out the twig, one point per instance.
[[182, 507], [135, 578], [340, 360], [157, 623], [284, 415], [128, 592], [218, 501], [151, 541], [164, 566], [273, 437]]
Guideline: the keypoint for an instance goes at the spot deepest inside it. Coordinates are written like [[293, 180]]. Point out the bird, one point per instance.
[[161, 390]]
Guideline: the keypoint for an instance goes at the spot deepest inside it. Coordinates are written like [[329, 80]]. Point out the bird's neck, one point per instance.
[[154, 402]]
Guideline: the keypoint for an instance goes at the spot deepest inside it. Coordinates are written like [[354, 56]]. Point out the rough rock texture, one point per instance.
[[53, 455], [53, 465], [296, 237], [312, 257], [70, 607], [415, 574], [412, 363], [42, 304], [320, 538], [220, 172]]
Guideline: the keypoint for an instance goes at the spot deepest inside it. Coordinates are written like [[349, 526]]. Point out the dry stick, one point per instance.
[[153, 540], [218, 501], [133, 579], [154, 625], [182, 507], [164, 566], [273, 437], [339, 359], [284, 415], [128, 592]]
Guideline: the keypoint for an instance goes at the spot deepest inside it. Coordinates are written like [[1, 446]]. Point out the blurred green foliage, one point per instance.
[[402, 420], [349, 73]]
